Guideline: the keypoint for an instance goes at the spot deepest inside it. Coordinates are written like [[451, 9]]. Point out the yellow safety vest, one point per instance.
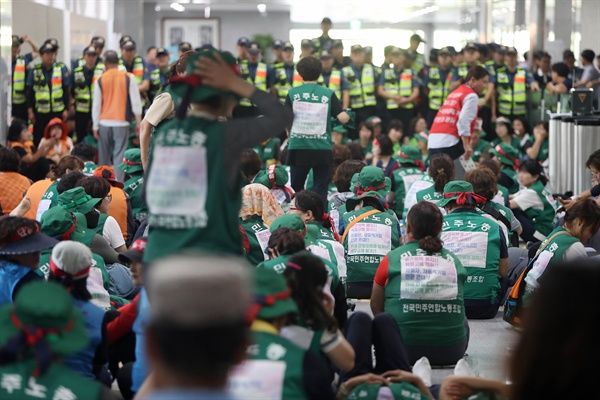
[[403, 87], [45, 99], [138, 68], [282, 85], [335, 82], [82, 92], [18, 82], [511, 98], [438, 90], [362, 92], [259, 81]]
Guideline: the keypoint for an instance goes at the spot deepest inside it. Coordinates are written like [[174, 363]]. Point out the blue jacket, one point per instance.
[[82, 361], [10, 276], [140, 370]]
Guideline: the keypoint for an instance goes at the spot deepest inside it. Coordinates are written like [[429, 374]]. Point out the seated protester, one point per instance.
[[417, 125], [486, 257], [268, 151], [205, 215], [422, 139], [356, 151], [80, 200], [57, 133], [48, 310], [505, 133], [87, 154], [277, 368], [316, 329], [396, 383], [484, 184], [64, 225], [284, 242], [12, 184], [502, 194], [427, 304], [250, 165], [365, 140], [507, 158], [370, 230], [395, 133], [341, 179], [533, 206], [120, 208], [593, 164], [479, 145], [411, 170], [522, 131], [374, 123], [34, 163], [44, 194], [339, 154], [19, 254], [560, 79], [537, 147], [70, 264], [382, 155], [132, 165], [259, 210], [441, 171], [276, 179], [339, 135]]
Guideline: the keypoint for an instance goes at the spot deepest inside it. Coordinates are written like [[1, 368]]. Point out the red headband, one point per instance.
[[360, 189], [56, 271], [67, 234], [21, 233], [261, 300], [464, 197], [499, 150], [418, 163], [130, 163], [327, 217]]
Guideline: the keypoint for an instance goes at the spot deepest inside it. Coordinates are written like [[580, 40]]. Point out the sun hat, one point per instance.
[[272, 296], [58, 222], [132, 161], [112, 179], [54, 122], [292, 221], [135, 252], [25, 240], [45, 313], [507, 154], [71, 259], [373, 121], [78, 200], [369, 182], [505, 121], [274, 176], [462, 192], [410, 155]]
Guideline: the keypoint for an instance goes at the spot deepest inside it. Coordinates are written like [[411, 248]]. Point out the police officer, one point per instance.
[[512, 83], [400, 86], [19, 74], [158, 77], [257, 73], [361, 80], [47, 91], [286, 75], [277, 50], [324, 42], [306, 48], [98, 43], [82, 85], [133, 63], [415, 41], [337, 50], [332, 78], [242, 49], [437, 82], [497, 60]]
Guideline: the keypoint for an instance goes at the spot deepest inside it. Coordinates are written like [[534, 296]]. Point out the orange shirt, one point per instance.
[[114, 95], [12, 188], [118, 208], [35, 194]]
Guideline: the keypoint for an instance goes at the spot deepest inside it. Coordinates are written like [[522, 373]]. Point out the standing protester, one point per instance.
[[286, 75], [116, 97], [82, 85], [192, 192], [456, 119], [419, 63], [160, 74], [19, 74], [47, 91], [361, 79]]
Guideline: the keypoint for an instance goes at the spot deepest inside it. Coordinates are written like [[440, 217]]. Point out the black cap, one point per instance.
[[325, 54], [472, 46], [501, 49], [52, 42], [98, 41], [368, 50], [128, 45], [326, 20], [511, 51], [47, 48], [288, 46], [417, 38], [243, 41], [433, 53], [161, 51], [447, 51], [387, 50], [90, 50], [278, 44], [306, 43], [254, 48], [185, 46], [124, 39], [357, 48]]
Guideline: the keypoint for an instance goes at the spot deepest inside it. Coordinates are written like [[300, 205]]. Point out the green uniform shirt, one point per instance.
[[424, 294], [410, 199], [512, 174], [403, 179], [277, 264], [133, 187], [400, 391], [481, 147], [311, 129], [543, 220], [430, 195], [258, 238]]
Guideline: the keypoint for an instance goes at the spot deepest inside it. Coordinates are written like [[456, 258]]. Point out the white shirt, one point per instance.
[[134, 99], [468, 112], [112, 233], [528, 198]]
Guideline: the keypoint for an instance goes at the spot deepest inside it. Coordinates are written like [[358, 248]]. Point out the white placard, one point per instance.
[[263, 240], [469, 247], [428, 278], [310, 118], [258, 379], [367, 238], [317, 250]]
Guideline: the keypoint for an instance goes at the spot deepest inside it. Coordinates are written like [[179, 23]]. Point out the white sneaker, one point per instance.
[[462, 368], [422, 369]]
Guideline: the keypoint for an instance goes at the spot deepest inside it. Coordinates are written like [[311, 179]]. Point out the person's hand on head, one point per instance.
[[215, 72]]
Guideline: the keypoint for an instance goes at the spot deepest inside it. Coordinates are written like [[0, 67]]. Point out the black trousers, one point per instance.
[[321, 176], [430, 117], [41, 121], [20, 111], [485, 309], [82, 125], [362, 114], [405, 115]]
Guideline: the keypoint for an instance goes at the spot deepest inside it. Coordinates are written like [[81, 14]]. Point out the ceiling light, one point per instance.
[[418, 13], [183, 1], [261, 8], [177, 7], [157, 8], [206, 12]]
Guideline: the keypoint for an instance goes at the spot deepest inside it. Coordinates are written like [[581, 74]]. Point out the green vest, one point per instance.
[[475, 239], [502, 192], [512, 174], [410, 199], [58, 382], [321, 242], [362, 91], [312, 118], [83, 94], [258, 235], [543, 220], [335, 82], [277, 264], [438, 90], [419, 63], [48, 98], [273, 370], [188, 194], [18, 81], [281, 83], [268, 151], [89, 167], [424, 294], [400, 391], [511, 99], [430, 195], [133, 187], [404, 178], [481, 147], [49, 200], [402, 87], [506, 213], [544, 150], [259, 81], [368, 241]]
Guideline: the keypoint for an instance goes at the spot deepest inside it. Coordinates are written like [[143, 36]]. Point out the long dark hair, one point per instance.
[[441, 170], [534, 168], [77, 287], [425, 221], [307, 200], [69, 162], [306, 276], [586, 211]]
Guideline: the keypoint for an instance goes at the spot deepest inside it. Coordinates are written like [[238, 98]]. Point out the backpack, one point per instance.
[[121, 283], [514, 240]]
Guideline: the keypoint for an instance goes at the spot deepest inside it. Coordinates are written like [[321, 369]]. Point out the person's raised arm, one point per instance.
[[468, 113], [34, 46]]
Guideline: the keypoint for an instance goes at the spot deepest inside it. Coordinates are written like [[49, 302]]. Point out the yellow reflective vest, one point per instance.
[[335, 82], [48, 98], [402, 87], [362, 91], [18, 82], [83, 94], [281, 83], [511, 98], [259, 81], [438, 90]]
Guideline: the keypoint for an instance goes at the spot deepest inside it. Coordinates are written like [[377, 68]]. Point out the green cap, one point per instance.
[[292, 221], [453, 189], [369, 182], [409, 155], [274, 176], [373, 121], [58, 221], [507, 154], [77, 199], [505, 121], [132, 161], [272, 297], [49, 307]]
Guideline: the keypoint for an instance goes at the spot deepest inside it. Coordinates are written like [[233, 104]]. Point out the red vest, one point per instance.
[[447, 117]]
